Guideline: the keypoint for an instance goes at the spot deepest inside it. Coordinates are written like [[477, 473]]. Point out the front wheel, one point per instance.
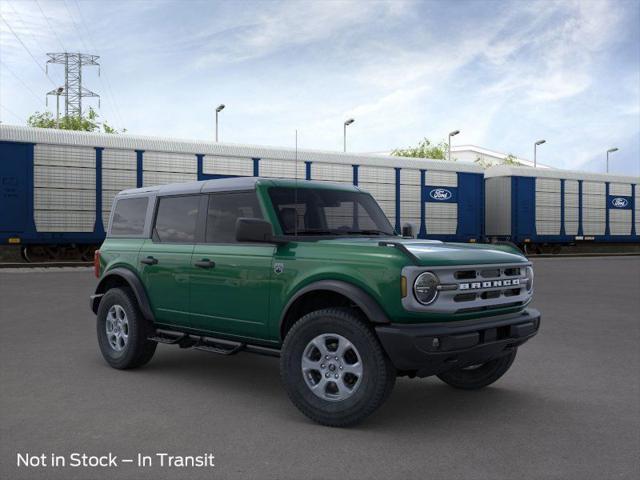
[[334, 369], [478, 376]]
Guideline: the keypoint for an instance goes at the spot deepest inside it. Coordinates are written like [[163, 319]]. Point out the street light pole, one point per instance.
[[451, 134], [218, 110], [535, 152], [59, 90], [611, 150], [344, 133]]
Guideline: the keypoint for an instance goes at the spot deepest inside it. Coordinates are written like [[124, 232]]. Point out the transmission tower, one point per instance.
[[73, 91]]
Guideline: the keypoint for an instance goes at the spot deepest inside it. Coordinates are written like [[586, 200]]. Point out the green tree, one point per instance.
[[86, 123], [510, 159], [425, 149]]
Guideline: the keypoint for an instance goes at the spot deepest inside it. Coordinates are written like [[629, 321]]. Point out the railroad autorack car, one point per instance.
[[58, 185], [535, 207]]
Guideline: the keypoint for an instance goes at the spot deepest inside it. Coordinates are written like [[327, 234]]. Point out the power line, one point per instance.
[[35, 95], [12, 113], [107, 83], [50, 27], [75, 26], [27, 49]]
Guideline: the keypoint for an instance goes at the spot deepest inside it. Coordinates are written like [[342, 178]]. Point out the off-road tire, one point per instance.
[[138, 349], [378, 377], [480, 377]]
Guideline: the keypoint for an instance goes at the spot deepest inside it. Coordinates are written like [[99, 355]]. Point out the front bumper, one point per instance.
[[429, 349]]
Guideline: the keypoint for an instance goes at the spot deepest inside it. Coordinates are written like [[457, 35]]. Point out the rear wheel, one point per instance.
[[478, 376], [123, 331], [334, 369]]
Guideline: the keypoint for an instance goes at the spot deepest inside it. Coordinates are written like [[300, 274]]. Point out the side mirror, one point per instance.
[[407, 230], [254, 230]]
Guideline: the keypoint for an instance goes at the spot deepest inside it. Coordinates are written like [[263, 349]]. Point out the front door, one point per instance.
[[230, 280], [165, 259]]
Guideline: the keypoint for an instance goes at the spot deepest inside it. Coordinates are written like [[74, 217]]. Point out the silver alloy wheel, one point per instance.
[[117, 327], [332, 367]]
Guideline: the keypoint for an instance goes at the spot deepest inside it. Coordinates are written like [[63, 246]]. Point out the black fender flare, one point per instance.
[[362, 299], [133, 281]]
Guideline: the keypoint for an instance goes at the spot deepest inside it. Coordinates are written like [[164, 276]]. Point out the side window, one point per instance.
[[224, 210], [176, 219], [128, 216]]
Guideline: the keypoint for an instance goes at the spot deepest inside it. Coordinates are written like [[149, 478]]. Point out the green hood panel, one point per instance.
[[436, 253]]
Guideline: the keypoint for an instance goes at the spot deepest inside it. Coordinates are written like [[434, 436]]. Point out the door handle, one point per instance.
[[149, 261], [205, 263]]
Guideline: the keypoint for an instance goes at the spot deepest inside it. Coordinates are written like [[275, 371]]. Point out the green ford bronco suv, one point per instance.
[[314, 273]]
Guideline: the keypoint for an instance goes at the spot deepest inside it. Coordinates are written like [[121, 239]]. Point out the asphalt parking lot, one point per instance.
[[568, 408]]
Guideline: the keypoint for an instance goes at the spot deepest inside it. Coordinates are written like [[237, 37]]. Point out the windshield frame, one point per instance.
[[383, 227]]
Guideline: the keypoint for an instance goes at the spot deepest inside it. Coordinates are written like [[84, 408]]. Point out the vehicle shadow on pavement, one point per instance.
[[413, 404]]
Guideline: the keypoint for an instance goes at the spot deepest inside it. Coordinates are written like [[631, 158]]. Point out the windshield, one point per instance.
[[318, 211]]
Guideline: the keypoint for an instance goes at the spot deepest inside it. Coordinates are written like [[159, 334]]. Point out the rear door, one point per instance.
[[165, 258], [14, 166], [230, 280]]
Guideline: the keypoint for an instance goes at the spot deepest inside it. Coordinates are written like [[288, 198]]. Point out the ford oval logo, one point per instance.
[[440, 194], [619, 202]]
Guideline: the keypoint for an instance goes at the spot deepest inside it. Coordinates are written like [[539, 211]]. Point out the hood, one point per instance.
[[436, 253], [430, 253]]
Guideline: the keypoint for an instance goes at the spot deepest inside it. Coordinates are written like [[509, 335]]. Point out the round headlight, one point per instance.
[[425, 288], [529, 275]]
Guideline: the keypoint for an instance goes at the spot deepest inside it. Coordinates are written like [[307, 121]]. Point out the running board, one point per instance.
[[221, 346]]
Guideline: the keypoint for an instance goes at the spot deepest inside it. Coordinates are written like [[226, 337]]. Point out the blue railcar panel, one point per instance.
[[523, 210], [16, 188], [470, 206], [139, 168]]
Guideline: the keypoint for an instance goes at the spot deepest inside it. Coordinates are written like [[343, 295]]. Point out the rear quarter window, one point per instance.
[[128, 216]]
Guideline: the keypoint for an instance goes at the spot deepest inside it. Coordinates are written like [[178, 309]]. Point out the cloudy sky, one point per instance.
[[504, 73]]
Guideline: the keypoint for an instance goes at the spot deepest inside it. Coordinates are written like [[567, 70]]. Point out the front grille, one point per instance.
[[473, 288]]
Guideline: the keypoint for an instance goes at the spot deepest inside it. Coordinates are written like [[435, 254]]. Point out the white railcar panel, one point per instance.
[[547, 185], [214, 165], [119, 159], [65, 199], [620, 189], [441, 218], [619, 222], [571, 214], [65, 177], [332, 172], [169, 162], [282, 169], [571, 228], [547, 227], [547, 220], [368, 174], [594, 201], [381, 191], [119, 179], [162, 178], [64, 221], [571, 186], [593, 228], [441, 179], [64, 156], [594, 214], [571, 200], [548, 199], [593, 188], [409, 210], [409, 176]]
